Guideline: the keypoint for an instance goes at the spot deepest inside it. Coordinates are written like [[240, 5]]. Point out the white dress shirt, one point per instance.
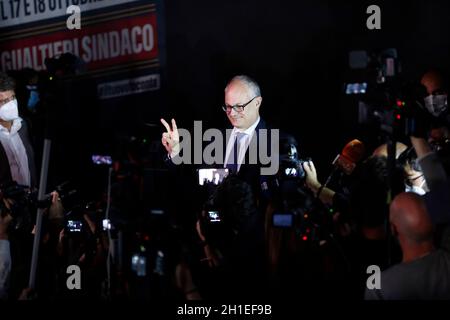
[[243, 144], [16, 153]]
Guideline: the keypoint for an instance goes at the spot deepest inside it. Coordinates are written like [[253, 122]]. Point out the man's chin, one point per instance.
[[236, 123]]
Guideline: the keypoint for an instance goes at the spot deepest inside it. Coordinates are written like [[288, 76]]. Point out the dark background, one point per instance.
[[296, 50]]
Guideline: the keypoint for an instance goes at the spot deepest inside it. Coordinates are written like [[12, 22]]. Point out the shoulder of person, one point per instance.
[[262, 124], [24, 124]]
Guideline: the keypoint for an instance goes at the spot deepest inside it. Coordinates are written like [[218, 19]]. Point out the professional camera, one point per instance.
[[24, 202], [295, 205], [297, 209], [16, 192], [386, 101], [19, 199]]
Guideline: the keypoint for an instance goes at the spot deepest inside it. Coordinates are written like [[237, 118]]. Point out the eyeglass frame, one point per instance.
[[5, 101], [242, 106]]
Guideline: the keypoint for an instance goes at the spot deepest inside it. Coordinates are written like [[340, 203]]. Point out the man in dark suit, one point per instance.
[[250, 146], [250, 152], [16, 153]]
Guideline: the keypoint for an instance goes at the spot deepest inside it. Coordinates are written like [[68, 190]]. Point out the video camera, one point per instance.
[[295, 205], [291, 167], [386, 101], [24, 202]]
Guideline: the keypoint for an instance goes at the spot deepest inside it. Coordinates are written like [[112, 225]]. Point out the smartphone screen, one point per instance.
[[74, 225], [99, 159], [214, 216], [356, 88], [214, 176]]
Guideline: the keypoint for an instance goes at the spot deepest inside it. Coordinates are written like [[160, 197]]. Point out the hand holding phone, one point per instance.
[[214, 176], [74, 225]]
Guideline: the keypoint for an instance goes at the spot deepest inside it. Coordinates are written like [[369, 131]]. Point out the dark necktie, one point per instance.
[[232, 164]]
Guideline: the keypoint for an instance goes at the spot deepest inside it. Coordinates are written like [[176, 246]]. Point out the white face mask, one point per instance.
[[436, 104], [9, 111]]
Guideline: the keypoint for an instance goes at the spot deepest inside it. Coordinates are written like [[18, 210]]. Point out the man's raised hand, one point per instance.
[[171, 138]]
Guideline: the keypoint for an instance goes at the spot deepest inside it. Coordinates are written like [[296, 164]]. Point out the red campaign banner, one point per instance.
[[100, 45]]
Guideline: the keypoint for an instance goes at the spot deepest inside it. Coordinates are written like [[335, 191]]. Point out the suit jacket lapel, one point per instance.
[[23, 133]]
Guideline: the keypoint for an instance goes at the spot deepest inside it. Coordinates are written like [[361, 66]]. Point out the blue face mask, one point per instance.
[[33, 100]]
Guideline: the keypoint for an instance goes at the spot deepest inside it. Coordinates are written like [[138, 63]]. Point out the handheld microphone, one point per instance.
[[352, 153], [346, 161]]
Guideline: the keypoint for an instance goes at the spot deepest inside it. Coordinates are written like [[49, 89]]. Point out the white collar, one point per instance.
[[17, 124]]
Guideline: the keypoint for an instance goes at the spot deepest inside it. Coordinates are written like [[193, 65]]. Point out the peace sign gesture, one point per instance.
[[171, 138]]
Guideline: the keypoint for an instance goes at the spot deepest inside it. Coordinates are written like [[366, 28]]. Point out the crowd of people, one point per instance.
[[251, 236]]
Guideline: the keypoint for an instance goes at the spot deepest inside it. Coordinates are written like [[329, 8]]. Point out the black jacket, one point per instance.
[[5, 171]]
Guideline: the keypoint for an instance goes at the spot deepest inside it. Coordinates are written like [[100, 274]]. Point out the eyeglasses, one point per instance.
[[238, 107], [5, 101], [438, 92]]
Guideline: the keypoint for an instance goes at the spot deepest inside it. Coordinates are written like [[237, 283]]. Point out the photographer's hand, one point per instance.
[[171, 138], [311, 176]]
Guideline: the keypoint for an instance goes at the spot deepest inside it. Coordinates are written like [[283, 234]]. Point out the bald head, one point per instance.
[[410, 218]]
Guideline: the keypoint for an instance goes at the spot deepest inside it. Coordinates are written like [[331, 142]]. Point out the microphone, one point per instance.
[[346, 161], [352, 153]]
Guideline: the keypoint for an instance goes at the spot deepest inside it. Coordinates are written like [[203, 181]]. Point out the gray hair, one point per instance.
[[249, 82]]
